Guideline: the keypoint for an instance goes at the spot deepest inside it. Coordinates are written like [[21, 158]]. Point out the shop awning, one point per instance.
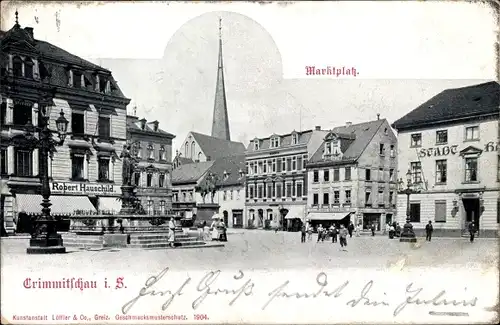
[[110, 204], [61, 205], [295, 212], [326, 216]]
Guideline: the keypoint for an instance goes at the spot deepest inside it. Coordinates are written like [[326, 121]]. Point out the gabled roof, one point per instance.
[[232, 165], [184, 160], [216, 148], [358, 136], [190, 173], [285, 140], [132, 125], [453, 104]]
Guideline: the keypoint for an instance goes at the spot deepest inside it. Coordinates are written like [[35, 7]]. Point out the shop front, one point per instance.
[[328, 219]]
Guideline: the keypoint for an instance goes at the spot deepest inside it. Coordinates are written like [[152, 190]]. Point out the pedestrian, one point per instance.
[[472, 231], [215, 229], [428, 231], [391, 232], [350, 228], [309, 233], [334, 234], [303, 234], [358, 230], [320, 233], [373, 229], [343, 237], [398, 230], [387, 228], [171, 232]]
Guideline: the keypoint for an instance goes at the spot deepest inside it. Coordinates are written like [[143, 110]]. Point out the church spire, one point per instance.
[[220, 122]]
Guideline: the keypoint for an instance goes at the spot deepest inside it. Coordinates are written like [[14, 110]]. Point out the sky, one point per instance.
[[164, 57]]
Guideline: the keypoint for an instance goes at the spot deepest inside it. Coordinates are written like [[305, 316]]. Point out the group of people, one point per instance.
[[217, 231], [338, 234], [392, 229]]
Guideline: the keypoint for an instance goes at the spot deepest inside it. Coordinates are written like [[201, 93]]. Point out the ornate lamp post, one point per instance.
[[45, 239], [408, 235]]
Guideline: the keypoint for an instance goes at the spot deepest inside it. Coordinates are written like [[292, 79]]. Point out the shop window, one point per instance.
[[77, 123], [103, 169], [414, 212], [24, 162], [77, 163], [440, 211], [104, 127]]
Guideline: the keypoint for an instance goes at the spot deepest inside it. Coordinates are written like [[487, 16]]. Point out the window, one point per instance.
[[278, 190], [381, 174], [250, 192], [283, 165], [28, 68], [289, 164], [348, 196], [259, 191], [269, 191], [440, 211], [299, 163], [150, 207], [442, 137], [149, 179], [77, 123], [270, 166], [24, 163], [17, 66], [336, 197], [186, 150], [256, 145], [294, 163], [288, 189], [294, 138], [414, 212], [237, 194], [416, 172], [137, 178], [441, 171], [161, 180], [315, 198], [22, 113], [162, 153], [77, 162], [471, 170], [264, 167], [472, 133], [368, 199], [3, 162], [193, 150], [326, 198], [151, 151], [380, 198], [326, 175], [381, 149], [416, 140], [391, 175], [368, 174], [3, 113], [392, 151], [274, 165], [336, 175], [304, 161], [299, 189], [224, 196], [255, 168], [347, 173], [275, 142], [162, 207], [315, 176], [104, 127], [77, 79], [391, 198], [103, 168]]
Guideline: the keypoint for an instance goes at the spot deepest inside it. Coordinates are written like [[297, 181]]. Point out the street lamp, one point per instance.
[[408, 235], [45, 239]]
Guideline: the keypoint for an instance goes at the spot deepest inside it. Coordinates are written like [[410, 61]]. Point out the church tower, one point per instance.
[[220, 122]]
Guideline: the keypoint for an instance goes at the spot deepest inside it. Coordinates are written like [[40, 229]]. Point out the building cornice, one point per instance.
[[405, 127], [328, 163]]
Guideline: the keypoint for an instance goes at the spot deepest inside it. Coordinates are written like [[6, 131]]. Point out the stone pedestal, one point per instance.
[[48, 241], [205, 211], [408, 235], [128, 198]]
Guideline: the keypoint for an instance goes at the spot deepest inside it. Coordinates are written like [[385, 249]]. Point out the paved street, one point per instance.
[[258, 249]]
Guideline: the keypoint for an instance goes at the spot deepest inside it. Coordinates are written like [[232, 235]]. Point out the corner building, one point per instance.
[[450, 146]]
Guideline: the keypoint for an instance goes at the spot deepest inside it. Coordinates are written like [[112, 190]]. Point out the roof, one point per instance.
[[232, 166], [133, 125], [285, 140], [190, 173], [356, 138], [453, 104], [184, 160], [216, 148]]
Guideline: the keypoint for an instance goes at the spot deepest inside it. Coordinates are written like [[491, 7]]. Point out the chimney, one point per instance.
[[378, 117], [317, 128], [29, 30], [348, 124]]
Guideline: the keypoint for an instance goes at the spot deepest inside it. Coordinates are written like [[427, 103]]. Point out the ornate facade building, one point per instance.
[[40, 78], [152, 148], [449, 147], [352, 176], [276, 182]]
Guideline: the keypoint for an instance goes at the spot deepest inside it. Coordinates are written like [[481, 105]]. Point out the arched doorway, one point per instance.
[[225, 215]]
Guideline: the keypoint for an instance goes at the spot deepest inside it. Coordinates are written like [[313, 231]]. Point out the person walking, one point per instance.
[[358, 230], [472, 231], [171, 232], [373, 229], [350, 229], [303, 234], [391, 232], [428, 231], [334, 234], [309, 233], [387, 228], [343, 237], [320, 233]]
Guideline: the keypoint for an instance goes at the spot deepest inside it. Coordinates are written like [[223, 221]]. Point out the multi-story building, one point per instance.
[[352, 176], [153, 151], [86, 172], [449, 148], [228, 177], [276, 191]]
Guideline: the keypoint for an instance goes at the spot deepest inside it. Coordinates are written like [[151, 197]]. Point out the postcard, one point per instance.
[[250, 162]]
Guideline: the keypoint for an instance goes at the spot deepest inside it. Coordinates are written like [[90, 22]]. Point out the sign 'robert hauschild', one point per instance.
[[82, 188]]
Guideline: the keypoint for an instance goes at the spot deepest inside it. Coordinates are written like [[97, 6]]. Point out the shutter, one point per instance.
[[440, 211]]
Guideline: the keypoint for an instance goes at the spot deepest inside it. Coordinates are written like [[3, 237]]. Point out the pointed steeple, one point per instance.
[[220, 122]]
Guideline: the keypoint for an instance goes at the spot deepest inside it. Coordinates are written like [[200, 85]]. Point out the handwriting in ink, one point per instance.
[[321, 280], [147, 291], [363, 298], [438, 300], [206, 288]]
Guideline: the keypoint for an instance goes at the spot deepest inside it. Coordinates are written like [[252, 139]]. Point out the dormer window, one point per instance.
[[256, 144], [275, 142], [241, 173], [151, 152], [295, 138], [77, 79], [162, 153], [328, 148]]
